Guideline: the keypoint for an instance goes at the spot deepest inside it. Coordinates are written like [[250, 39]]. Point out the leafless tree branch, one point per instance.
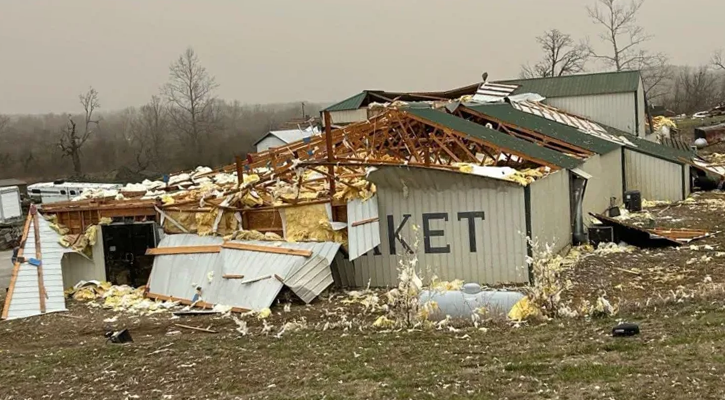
[[562, 56], [718, 61], [620, 31]]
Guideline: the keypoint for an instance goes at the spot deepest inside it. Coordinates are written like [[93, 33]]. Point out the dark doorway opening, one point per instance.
[[124, 246]]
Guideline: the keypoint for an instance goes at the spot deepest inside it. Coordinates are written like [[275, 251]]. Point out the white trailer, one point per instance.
[[53, 192]]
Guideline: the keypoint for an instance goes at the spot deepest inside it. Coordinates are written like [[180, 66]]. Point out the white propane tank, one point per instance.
[[465, 302]]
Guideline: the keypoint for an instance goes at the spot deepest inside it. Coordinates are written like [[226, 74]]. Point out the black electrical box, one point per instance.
[[600, 234], [633, 200]]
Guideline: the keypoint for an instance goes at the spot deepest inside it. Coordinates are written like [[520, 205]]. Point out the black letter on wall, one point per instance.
[[428, 233], [471, 217], [394, 234]]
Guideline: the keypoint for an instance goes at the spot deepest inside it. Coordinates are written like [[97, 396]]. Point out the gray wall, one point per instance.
[[606, 182], [686, 174], [349, 116], [655, 178], [500, 244], [551, 211], [616, 110]]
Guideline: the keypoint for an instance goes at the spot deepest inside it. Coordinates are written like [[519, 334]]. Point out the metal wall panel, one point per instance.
[[606, 182], [25, 301], [179, 275], [499, 254], [551, 211], [10, 207], [641, 108], [656, 179], [365, 237], [616, 110], [349, 116], [77, 267]]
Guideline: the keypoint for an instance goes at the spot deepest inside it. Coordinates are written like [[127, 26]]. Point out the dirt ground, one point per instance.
[[677, 296]]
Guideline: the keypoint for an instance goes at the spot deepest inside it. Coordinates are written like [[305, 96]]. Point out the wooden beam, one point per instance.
[[168, 251], [200, 304], [195, 328], [39, 257], [232, 276], [16, 267], [365, 221], [267, 249]]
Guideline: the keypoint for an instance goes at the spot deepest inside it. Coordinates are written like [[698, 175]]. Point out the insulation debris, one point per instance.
[[437, 284], [121, 298], [522, 177], [310, 223]]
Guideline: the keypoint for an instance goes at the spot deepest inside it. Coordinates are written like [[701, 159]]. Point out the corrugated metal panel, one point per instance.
[[616, 110], [343, 272], [489, 92], [77, 267], [362, 238], [550, 211], [460, 244], [642, 118], [605, 183], [351, 103], [655, 178], [25, 301], [349, 116], [179, 275], [10, 203], [580, 85]]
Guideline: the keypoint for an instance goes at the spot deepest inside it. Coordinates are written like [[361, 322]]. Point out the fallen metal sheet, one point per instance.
[[265, 274], [634, 235], [682, 235], [363, 227], [24, 293], [492, 92]]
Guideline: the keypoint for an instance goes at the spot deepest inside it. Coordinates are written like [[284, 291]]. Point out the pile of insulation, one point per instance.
[[81, 243], [119, 298], [524, 177]]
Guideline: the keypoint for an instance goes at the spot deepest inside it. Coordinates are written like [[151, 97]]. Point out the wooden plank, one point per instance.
[[16, 268], [195, 328], [39, 256], [267, 249], [232, 276], [365, 221], [167, 251], [200, 304]]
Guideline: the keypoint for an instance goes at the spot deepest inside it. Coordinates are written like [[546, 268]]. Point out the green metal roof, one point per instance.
[[352, 103], [579, 85], [496, 138], [652, 148], [565, 133]]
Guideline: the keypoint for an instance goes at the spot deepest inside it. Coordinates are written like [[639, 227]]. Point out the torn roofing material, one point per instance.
[[36, 284], [368, 96], [579, 85], [507, 114], [240, 278], [363, 226], [653, 148], [516, 146]]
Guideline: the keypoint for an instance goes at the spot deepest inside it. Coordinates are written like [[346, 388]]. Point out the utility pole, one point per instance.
[[303, 111]]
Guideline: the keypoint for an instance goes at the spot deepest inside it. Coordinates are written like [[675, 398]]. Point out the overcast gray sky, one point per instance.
[[288, 50]]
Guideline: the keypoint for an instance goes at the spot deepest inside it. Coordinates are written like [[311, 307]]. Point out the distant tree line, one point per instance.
[[182, 127], [621, 47]]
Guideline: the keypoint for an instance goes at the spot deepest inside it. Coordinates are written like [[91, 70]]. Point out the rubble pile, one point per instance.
[[119, 298]]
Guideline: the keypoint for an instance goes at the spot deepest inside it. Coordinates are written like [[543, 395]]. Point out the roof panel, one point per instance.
[[579, 85], [351, 103], [496, 138], [560, 131]]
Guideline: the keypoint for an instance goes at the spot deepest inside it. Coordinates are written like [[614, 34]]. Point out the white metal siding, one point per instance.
[[269, 142], [551, 211], [77, 267], [365, 237], [10, 203], [349, 116], [616, 110], [25, 300], [605, 183], [656, 179], [500, 253]]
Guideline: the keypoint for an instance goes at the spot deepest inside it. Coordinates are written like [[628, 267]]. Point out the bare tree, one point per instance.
[[562, 56], [620, 32], [71, 141], [695, 90], [718, 61], [148, 134], [4, 121], [190, 92]]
